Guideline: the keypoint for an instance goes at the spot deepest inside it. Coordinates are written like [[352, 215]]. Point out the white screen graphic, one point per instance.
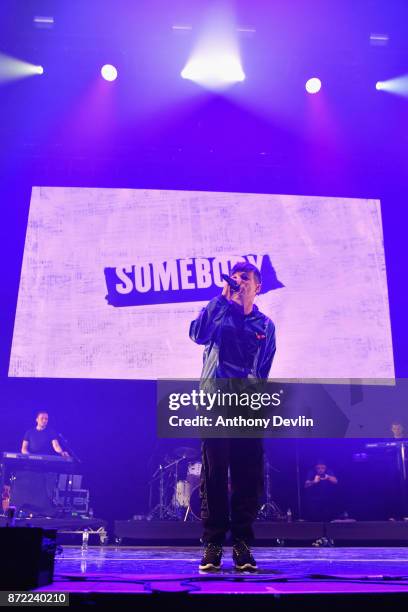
[[331, 309]]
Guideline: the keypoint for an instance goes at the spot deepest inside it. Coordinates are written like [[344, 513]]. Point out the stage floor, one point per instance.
[[282, 571]]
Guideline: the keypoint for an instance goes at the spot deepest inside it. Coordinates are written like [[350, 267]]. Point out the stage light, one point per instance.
[[43, 22], [379, 40], [215, 60], [313, 85], [109, 72], [12, 68], [397, 85], [246, 30], [181, 27], [214, 71]]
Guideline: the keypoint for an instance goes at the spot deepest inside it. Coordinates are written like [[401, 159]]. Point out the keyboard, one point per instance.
[[43, 463], [394, 444]]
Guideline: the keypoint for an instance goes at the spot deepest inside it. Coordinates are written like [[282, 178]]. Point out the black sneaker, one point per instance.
[[242, 557], [211, 558]]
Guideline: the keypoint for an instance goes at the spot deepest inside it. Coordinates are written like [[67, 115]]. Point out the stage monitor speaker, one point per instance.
[[27, 557]]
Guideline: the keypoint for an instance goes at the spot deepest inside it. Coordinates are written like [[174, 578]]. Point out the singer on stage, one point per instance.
[[240, 344]]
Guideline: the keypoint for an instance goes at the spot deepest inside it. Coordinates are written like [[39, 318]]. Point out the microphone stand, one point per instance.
[[69, 483], [69, 449]]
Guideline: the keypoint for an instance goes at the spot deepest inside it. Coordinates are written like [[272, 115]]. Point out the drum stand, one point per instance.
[[189, 515], [164, 511], [269, 511]]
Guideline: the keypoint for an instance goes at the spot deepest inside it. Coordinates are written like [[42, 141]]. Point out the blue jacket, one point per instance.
[[236, 345]]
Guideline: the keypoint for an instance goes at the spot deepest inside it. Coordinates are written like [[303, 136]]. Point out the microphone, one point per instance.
[[233, 284]]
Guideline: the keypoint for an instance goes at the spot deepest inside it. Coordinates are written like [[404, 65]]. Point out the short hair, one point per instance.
[[245, 266], [320, 462], [41, 411]]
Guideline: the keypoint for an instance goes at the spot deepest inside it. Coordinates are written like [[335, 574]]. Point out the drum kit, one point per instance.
[[178, 497], [176, 484]]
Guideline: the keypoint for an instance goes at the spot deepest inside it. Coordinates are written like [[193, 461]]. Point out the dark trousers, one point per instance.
[[244, 458]]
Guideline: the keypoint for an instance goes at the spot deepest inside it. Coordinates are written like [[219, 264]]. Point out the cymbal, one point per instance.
[[185, 452]]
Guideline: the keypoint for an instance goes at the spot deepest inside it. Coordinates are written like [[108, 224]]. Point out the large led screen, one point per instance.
[[111, 279]]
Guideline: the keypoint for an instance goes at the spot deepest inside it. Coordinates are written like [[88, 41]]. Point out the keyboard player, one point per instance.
[[41, 439], [32, 491]]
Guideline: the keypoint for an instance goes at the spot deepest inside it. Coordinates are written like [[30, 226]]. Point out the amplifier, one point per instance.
[[75, 500]]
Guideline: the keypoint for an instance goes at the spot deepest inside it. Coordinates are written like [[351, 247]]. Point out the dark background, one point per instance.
[[151, 129]]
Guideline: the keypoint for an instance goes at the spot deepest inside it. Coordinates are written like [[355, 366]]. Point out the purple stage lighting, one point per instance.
[[313, 85], [109, 72], [215, 61], [215, 72]]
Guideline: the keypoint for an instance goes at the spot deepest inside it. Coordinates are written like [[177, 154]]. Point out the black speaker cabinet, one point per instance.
[[26, 558]]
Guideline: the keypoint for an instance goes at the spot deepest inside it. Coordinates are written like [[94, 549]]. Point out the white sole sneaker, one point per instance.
[[209, 567]]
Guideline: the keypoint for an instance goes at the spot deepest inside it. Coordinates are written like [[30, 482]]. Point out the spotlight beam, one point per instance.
[[214, 71], [215, 61], [398, 86], [12, 69]]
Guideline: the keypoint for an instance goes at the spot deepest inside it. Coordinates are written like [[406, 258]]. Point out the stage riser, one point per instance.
[[57, 524], [161, 532]]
